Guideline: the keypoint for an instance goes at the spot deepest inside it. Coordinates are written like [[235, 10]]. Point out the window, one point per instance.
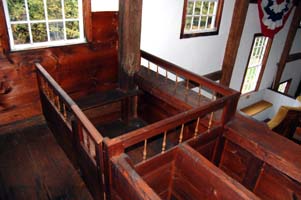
[[257, 60], [43, 23], [284, 86], [201, 17]]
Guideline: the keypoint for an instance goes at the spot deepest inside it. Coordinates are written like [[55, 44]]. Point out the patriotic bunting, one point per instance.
[[273, 15]]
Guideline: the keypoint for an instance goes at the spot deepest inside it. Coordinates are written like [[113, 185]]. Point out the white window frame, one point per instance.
[[201, 29], [258, 52], [49, 43], [207, 15]]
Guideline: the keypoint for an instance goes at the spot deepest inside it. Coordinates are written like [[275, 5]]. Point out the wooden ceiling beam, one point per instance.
[[288, 44], [236, 29]]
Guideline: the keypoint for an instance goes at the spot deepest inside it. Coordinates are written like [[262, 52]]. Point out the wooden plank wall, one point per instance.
[[79, 69]]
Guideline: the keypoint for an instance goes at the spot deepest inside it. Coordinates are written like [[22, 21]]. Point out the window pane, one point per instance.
[[36, 9], [195, 24], [197, 9], [211, 8], [203, 22], [16, 9], [72, 29], [54, 9], [209, 22], [205, 7], [56, 30], [39, 32], [190, 8], [71, 9], [188, 23], [20, 33]]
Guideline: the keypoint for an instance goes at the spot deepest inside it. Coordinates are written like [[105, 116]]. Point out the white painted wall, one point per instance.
[[161, 26], [104, 5], [293, 69], [252, 26], [268, 95]]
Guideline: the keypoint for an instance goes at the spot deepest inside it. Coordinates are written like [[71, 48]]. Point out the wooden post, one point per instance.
[[288, 44], [4, 40], [238, 22], [130, 14]]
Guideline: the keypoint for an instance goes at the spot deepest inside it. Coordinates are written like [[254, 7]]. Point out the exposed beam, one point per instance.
[[293, 57], [214, 76], [288, 44], [238, 21]]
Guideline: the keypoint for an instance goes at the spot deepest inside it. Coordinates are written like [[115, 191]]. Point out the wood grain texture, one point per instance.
[[33, 166], [80, 69], [237, 25]]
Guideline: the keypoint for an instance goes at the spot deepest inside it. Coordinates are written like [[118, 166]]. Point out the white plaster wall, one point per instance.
[[293, 69], [104, 5], [275, 98], [252, 26], [161, 26]]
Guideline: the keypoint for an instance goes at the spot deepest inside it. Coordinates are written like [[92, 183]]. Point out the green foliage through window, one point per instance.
[[31, 21]]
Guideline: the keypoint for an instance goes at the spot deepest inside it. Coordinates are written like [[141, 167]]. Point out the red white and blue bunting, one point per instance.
[[273, 15]]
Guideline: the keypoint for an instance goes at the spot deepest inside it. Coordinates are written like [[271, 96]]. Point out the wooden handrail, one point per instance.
[[187, 74], [54, 84], [149, 131], [93, 132], [97, 137]]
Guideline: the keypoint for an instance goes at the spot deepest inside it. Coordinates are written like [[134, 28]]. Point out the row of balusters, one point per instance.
[[176, 79], [62, 109], [55, 99], [144, 153], [180, 139]]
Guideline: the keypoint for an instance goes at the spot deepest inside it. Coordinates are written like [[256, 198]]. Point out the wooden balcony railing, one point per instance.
[[217, 111], [176, 73], [71, 126]]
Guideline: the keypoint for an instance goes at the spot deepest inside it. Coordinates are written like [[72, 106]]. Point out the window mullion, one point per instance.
[[214, 13], [46, 20], [64, 20], [80, 18], [28, 21]]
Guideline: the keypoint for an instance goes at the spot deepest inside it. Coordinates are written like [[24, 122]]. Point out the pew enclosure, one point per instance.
[[176, 135]]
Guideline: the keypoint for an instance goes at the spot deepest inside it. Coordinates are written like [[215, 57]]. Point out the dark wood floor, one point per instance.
[[33, 166]]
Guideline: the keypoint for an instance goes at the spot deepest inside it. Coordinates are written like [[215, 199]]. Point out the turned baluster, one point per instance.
[[164, 142], [200, 90], [210, 121], [64, 111], [196, 127], [187, 84], [145, 150], [181, 134]]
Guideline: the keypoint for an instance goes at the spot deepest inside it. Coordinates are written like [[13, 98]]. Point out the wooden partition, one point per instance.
[[75, 133], [181, 173], [244, 150]]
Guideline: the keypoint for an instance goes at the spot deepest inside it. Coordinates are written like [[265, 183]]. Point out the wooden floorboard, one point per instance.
[[33, 166]]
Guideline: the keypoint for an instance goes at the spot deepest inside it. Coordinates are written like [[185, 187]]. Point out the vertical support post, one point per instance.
[[237, 25], [288, 45], [130, 14]]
